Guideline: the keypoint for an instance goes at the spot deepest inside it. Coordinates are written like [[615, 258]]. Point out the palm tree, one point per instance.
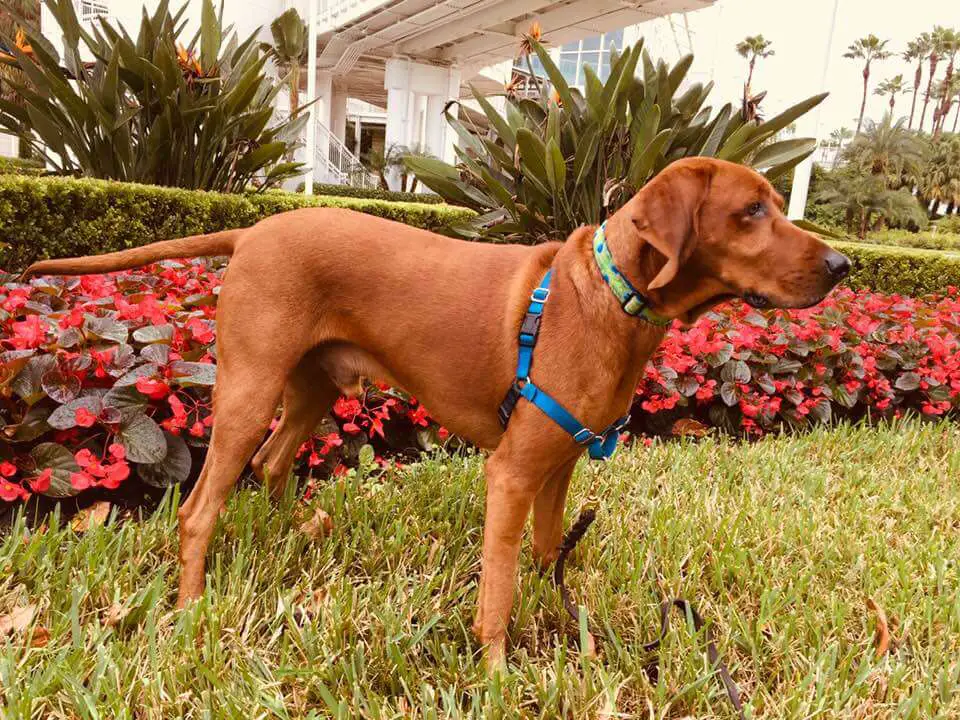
[[936, 52], [289, 51], [917, 50], [751, 48], [951, 45], [888, 150], [947, 91], [838, 136], [868, 49], [892, 87]]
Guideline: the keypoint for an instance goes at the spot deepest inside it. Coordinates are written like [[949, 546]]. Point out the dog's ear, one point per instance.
[[666, 213]]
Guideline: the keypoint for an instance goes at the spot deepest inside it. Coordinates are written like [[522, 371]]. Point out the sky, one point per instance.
[[799, 31]]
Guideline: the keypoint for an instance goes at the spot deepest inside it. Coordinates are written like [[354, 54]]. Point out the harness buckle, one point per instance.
[[584, 436], [509, 403], [531, 325], [540, 294]]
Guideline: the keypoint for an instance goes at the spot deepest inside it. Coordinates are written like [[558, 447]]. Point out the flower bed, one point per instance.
[[106, 377]]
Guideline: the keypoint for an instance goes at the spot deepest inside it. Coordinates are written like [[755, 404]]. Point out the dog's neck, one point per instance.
[[621, 343]]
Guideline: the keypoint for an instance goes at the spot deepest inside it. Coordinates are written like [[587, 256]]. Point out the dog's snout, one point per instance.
[[838, 265]]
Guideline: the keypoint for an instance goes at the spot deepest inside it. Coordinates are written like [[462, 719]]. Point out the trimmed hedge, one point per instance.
[[372, 193], [61, 217], [906, 271], [940, 240], [20, 166]]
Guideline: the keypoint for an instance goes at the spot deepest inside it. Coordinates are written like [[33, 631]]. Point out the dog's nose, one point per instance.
[[838, 265]]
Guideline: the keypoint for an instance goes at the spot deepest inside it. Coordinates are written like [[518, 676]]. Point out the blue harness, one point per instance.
[[601, 445]]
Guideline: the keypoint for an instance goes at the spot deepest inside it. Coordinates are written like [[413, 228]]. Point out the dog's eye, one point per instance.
[[756, 209]]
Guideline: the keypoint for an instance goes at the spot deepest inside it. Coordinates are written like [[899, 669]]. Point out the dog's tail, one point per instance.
[[218, 243]]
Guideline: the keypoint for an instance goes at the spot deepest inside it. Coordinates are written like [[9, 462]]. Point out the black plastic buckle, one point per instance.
[[509, 403], [530, 327]]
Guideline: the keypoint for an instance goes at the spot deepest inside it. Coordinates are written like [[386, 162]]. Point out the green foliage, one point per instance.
[[938, 240], [58, 217], [940, 178], [865, 200], [20, 166], [907, 271], [372, 193], [560, 162], [775, 542], [149, 111], [949, 224]]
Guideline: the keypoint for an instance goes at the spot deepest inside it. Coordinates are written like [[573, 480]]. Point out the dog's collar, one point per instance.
[[632, 302]]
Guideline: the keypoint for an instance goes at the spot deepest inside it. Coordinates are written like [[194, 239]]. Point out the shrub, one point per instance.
[[372, 193], [155, 109], [564, 159], [20, 166], [57, 217], [941, 239], [856, 353], [898, 270], [949, 224], [108, 376]]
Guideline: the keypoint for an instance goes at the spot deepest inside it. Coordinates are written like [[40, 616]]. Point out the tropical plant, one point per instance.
[[888, 150], [751, 48], [867, 202], [838, 137], [289, 51], [890, 88], [150, 110], [917, 51], [951, 46], [939, 181], [937, 47], [564, 159], [869, 49], [392, 160]]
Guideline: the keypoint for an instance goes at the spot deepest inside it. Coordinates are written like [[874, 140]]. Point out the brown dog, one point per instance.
[[314, 300]]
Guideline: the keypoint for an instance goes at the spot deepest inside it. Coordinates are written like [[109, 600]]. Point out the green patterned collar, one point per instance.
[[632, 302]]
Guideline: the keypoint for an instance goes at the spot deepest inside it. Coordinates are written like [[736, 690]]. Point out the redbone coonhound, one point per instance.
[[315, 300]]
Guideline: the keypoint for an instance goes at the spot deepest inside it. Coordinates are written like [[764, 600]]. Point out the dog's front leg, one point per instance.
[[511, 490], [548, 515]]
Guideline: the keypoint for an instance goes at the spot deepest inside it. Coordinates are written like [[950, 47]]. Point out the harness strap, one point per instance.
[[600, 445]]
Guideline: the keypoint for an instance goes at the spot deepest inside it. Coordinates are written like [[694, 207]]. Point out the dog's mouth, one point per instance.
[[764, 302], [756, 300]]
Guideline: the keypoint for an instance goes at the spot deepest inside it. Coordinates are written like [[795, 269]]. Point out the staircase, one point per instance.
[[334, 163]]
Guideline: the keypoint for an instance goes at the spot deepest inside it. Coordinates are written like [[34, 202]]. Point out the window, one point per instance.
[[593, 51], [92, 9]]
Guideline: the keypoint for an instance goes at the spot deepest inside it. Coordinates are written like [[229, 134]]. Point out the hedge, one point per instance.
[[906, 271], [59, 217], [372, 193], [20, 166], [941, 239]]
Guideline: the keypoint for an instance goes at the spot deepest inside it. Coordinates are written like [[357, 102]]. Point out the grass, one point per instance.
[[778, 544]]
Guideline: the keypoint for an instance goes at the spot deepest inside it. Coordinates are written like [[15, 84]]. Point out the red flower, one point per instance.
[[29, 333], [81, 480], [115, 474], [10, 492], [41, 483], [346, 407], [153, 389], [84, 418], [7, 469]]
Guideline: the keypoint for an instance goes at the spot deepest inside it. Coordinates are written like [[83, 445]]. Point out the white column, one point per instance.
[[323, 109], [338, 111], [801, 174], [311, 92], [397, 80]]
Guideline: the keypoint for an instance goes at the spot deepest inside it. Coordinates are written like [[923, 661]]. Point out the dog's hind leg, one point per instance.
[[245, 399], [307, 397]]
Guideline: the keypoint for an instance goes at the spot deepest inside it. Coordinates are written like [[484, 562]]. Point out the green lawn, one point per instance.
[[778, 543]]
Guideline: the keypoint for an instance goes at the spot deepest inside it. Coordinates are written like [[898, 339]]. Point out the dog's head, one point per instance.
[[706, 230]]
